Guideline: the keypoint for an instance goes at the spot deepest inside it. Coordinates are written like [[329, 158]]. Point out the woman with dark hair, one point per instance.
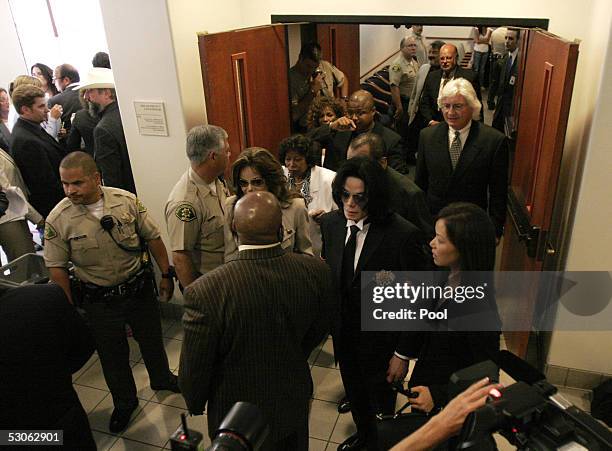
[[256, 169], [464, 246], [312, 182], [45, 75], [324, 110]]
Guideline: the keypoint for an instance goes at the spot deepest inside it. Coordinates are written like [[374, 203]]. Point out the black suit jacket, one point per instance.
[[393, 245], [82, 128], [502, 90], [428, 105], [336, 143], [250, 326], [111, 152], [481, 175], [44, 341], [38, 157], [69, 100], [408, 200]]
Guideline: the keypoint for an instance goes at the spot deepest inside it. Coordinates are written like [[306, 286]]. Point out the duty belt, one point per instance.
[[134, 284]]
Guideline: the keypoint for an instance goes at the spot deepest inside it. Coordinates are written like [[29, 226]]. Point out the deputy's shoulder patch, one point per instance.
[[395, 67], [50, 232], [140, 206], [185, 212]]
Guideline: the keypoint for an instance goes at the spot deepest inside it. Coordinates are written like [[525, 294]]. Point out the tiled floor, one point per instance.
[[158, 415]]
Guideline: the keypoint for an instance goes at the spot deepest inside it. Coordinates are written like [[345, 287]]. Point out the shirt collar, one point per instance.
[[246, 247], [361, 225], [465, 130]]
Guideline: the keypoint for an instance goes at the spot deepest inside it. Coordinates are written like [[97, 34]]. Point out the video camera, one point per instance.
[[530, 413], [243, 429]]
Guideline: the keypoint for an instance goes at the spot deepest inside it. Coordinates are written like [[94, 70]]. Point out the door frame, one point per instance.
[[421, 20]]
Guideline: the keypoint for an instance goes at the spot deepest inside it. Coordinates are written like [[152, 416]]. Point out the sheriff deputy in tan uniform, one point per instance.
[[195, 207], [402, 76], [99, 229]]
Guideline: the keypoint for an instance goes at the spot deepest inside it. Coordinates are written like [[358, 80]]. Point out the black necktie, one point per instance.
[[348, 258]]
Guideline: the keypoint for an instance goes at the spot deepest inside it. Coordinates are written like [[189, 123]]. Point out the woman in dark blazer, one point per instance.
[[464, 247]]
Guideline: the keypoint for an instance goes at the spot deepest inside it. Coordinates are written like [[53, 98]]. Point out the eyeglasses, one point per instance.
[[454, 106], [360, 199], [255, 183]]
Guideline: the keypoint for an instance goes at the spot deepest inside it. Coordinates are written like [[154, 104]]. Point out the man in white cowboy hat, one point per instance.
[[110, 149]]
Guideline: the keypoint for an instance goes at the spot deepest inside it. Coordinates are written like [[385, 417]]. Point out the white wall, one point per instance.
[[13, 63], [187, 18], [144, 67]]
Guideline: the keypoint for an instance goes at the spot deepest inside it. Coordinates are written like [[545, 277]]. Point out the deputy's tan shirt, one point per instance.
[[195, 218], [73, 234], [402, 74]]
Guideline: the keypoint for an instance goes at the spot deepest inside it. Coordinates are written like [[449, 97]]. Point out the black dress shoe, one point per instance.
[[353, 443], [172, 385], [344, 406], [120, 418]]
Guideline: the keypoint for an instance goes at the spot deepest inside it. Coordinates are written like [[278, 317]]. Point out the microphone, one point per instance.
[[108, 223]]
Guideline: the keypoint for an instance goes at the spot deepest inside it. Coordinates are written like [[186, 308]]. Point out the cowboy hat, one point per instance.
[[98, 78]]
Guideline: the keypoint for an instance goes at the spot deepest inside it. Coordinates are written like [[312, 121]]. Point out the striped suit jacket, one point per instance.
[[250, 326]]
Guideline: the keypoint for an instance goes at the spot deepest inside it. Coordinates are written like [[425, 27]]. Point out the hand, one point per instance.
[[56, 111], [166, 289], [399, 111], [317, 82], [456, 411], [398, 368], [432, 122], [315, 215], [62, 133], [424, 401], [342, 123]]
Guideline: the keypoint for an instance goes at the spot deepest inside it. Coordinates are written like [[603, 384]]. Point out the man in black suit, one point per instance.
[[363, 235], [461, 159], [66, 79], [437, 79], [44, 341], [37, 154], [336, 136], [405, 197], [504, 76], [110, 148], [251, 324]]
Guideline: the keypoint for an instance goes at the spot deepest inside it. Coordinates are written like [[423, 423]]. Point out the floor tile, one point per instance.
[[90, 397], [169, 399], [100, 416], [135, 355], [173, 349], [502, 443], [154, 424], [316, 444], [141, 377], [323, 416], [326, 356], [580, 398], [93, 377], [124, 444], [313, 355], [327, 384], [91, 361], [345, 427], [175, 331], [103, 441]]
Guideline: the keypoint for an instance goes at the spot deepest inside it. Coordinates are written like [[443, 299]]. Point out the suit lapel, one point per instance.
[[372, 242], [43, 135], [470, 151], [440, 141]]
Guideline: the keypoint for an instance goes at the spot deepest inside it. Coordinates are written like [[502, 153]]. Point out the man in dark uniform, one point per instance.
[[100, 230], [110, 149]]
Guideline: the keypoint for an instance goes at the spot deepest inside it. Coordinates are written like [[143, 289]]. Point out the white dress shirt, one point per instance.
[[360, 238], [463, 134]]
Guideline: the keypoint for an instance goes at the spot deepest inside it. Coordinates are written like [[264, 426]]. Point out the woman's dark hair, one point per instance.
[[48, 74], [472, 232], [268, 167], [300, 144], [316, 110], [101, 59], [375, 181]]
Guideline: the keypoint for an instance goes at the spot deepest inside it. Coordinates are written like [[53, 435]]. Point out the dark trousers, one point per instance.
[[366, 387], [16, 239], [107, 321]]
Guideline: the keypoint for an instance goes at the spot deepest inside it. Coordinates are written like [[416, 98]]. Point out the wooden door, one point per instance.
[[545, 95], [246, 87], [340, 46]]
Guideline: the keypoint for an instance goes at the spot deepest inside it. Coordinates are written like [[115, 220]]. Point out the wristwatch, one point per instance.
[[171, 274]]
